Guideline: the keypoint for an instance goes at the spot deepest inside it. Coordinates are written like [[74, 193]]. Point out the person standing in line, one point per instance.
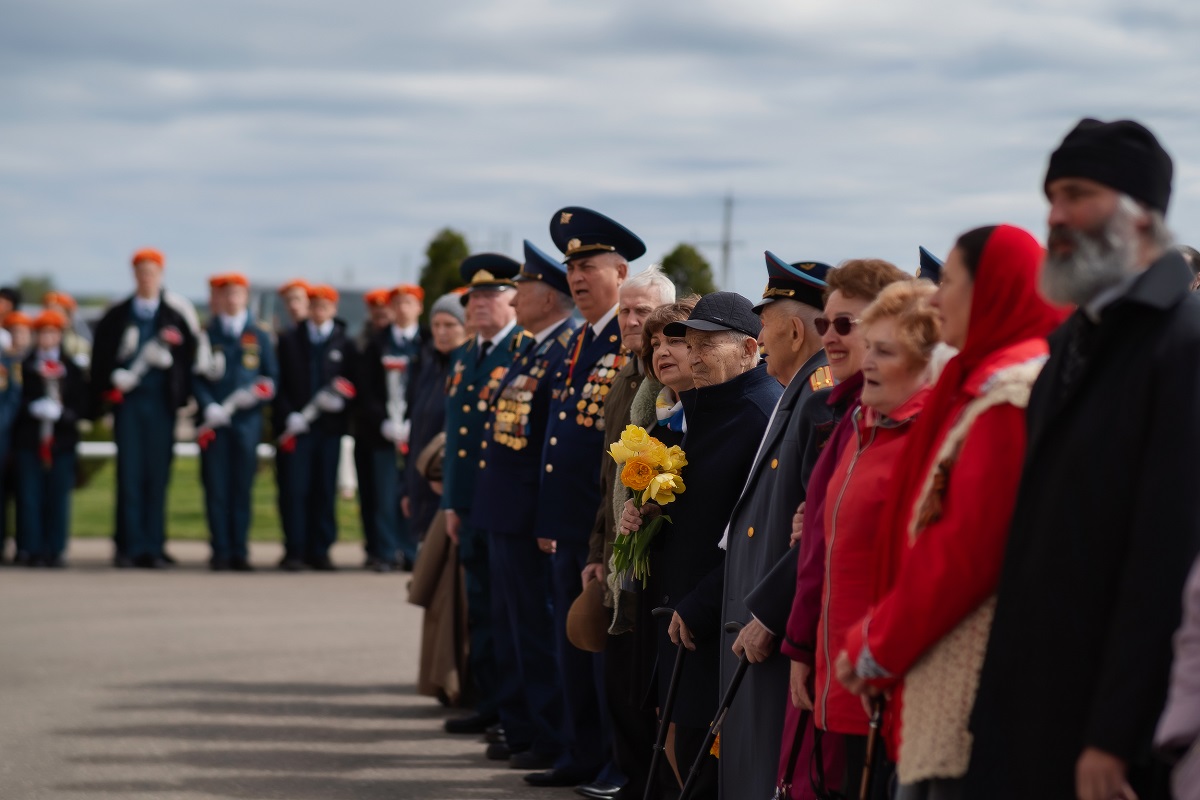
[[232, 421], [294, 295], [365, 428], [1119, 523], [475, 375], [316, 360], [141, 369]]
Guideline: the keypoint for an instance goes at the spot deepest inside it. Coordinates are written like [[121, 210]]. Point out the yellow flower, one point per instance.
[[656, 453], [620, 452], [663, 488], [637, 474], [676, 459], [635, 438]]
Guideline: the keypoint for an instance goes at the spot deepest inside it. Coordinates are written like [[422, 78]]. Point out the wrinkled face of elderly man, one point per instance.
[[720, 356]]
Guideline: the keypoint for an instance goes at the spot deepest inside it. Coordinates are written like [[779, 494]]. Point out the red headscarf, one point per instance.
[[1006, 309]]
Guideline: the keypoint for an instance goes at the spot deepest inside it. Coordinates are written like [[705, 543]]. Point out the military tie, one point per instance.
[[484, 349]]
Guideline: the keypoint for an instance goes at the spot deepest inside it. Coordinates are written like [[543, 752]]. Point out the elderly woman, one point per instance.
[[726, 415], [899, 330], [953, 493]]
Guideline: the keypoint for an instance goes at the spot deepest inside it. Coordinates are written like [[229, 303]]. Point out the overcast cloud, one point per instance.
[[332, 139]]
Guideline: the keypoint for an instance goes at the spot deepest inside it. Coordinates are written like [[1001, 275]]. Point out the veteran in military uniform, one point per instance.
[[597, 253], [476, 372], [529, 693], [760, 567], [141, 369], [231, 420]]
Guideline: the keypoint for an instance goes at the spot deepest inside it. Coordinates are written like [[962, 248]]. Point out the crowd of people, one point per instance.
[[931, 539]]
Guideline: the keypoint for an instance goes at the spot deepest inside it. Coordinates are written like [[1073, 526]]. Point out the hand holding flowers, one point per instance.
[[652, 471]]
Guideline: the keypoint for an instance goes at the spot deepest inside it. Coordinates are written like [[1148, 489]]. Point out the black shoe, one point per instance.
[[528, 760], [494, 733], [382, 566], [500, 751], [598, 790], [241, 565], [122, 562], [36, 561], [560, 777], [218, 565], [291, 565], [370, 562], [22, 559], [403, 563], [472, 723], [322, 565], [56, 563], [166, 559], [149, 562]]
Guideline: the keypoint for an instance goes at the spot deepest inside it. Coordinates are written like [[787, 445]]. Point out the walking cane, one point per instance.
[[660, 744], [719, 719], [877, 705]]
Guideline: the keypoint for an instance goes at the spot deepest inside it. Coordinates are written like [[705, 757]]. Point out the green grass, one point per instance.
[[93, 506]]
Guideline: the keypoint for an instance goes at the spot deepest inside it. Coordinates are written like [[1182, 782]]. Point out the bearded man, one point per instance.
[[1106, 522]]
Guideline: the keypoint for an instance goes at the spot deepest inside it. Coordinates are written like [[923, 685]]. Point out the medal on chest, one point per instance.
[[511, 427], [589, 406], [251, 353], [489, 388], [455, 378]]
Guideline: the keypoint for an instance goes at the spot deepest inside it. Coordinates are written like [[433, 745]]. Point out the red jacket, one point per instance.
[[854, 508]]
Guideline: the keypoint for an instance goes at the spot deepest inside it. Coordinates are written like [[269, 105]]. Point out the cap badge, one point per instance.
[[564, 218], [574, 244], [483, 276]]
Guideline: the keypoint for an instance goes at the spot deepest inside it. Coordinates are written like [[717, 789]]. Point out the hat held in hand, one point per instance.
[[587, 621]]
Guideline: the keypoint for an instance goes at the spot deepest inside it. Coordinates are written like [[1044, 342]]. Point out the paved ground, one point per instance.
[[187, 684]]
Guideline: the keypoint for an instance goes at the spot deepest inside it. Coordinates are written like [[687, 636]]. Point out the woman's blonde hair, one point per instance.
[[917, 326]]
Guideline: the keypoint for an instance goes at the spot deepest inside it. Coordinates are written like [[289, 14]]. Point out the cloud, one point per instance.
[[320, 138]]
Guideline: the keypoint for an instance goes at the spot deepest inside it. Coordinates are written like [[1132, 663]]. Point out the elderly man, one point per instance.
[[760, 567], [1102, 537], [476, 372], [597, 252], [140, 368], [529, 694], [232, 422], [727, 414], [632, 725]]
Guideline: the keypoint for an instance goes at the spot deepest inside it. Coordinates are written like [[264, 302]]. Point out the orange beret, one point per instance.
[[59, 299], [295, 283], [323, 292], [461, 290], [376, 297], [228, 279], [49, 319], [148, 254], [408, 288], [17, 319]]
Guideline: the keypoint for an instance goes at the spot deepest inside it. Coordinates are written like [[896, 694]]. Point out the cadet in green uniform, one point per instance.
[[476, 371]]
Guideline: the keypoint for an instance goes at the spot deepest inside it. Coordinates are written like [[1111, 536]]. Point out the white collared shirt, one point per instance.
[[544, 333], [234, 325], [143, 307], [49, 355], [402, 335], [319, 333], [479, 340], [599, 327]]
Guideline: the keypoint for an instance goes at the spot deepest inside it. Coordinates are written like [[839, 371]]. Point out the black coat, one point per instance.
[[73, 393], [296, 380], [1105, 528], [725, 424], [427, 411], [111, 330]]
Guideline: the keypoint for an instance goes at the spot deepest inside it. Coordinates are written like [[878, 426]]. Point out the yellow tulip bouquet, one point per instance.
[[651, 470]]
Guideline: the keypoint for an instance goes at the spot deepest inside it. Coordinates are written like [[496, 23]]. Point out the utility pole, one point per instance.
[[726, 242]]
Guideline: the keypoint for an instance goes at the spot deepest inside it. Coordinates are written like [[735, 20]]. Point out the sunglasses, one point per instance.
[[841, 325]]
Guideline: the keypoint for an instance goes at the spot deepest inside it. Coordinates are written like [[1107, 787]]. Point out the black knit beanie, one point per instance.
[[1122, 155]]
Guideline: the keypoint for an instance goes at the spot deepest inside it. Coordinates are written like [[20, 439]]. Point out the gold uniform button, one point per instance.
[[750, 532], [553, 440], [470, 388], [466, 409], [462, 453], [562, 415], [483, 445], [774, 463], [462, 431], [549, 468], [482, 464]]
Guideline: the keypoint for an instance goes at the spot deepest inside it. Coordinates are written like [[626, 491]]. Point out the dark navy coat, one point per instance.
[[372, 402], [248, 356], [73, 393], [298, 383], [506, 492]]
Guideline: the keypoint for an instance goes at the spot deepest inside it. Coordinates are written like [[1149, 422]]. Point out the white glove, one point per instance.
[[405, 427], [296, 424], [46, 409], [82, 360], [157, 355], [242, 399], [216, 366], [124, 380], [390, 430], [329, 402], [215, 416]]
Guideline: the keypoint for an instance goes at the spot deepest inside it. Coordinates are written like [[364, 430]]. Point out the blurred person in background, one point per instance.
[[364, 428], [10, 301], [76, 345]]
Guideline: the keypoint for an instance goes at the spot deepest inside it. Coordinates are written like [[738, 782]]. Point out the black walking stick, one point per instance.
[[660, 743], [877, 705], [719, 719]]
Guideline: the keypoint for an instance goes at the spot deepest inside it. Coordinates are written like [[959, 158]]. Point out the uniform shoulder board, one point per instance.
[[822, 378], [565, 337]]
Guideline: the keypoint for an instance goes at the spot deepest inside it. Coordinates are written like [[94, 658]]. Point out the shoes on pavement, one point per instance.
[[322, 565], [494, 733], [560, 777], [218, 565], [150, 562], [500, 751], [528, 760], [241, 565], [166, 559], [599, 790], [472, 723], [382, 566], [291, 565]]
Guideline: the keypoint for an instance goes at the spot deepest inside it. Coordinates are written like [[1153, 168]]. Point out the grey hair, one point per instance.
[[802, 311], [562, 302], [653, 277], [1159, 234]]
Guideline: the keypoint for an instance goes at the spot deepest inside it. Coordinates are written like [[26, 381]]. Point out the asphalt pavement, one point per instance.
[[181, 683]]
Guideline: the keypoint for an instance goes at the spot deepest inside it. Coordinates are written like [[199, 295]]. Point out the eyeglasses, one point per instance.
[[841, 325]]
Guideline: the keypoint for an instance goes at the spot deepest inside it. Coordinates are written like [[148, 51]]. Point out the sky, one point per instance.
[[331, 140]]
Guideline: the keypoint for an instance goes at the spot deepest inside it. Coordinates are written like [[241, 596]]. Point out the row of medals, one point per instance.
[[512, 409], [596, 389]]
